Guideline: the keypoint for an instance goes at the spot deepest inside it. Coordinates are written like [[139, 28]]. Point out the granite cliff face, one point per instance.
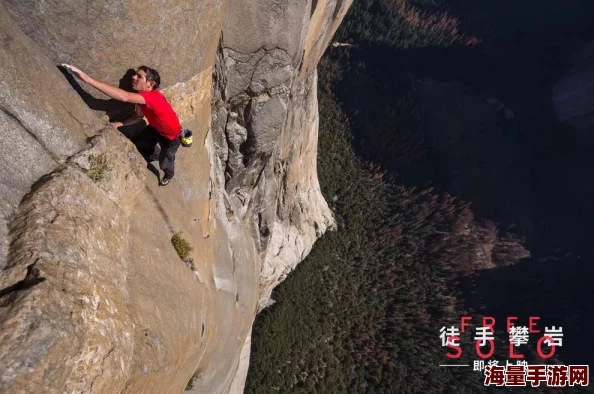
[[265, 121], [93, 297]]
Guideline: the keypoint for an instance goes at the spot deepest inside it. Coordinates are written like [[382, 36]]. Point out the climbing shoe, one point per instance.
[[165, 180]]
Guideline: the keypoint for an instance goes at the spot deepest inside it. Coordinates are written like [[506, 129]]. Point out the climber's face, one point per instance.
[[139, 82]]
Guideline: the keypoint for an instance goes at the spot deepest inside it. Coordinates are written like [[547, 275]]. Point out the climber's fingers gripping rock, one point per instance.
[[81, 75]]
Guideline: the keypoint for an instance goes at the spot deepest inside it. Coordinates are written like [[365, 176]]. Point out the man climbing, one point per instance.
[[163, 127]]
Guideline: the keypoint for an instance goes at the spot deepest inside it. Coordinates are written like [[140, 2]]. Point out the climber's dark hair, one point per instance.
[[151, 75]]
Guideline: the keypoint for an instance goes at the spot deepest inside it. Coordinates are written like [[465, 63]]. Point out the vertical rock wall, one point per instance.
[[93, 297], [265, 124]]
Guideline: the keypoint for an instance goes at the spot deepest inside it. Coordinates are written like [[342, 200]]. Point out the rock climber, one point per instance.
[[163, 127]]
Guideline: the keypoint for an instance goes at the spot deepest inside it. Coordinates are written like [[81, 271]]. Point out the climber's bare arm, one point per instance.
[[111, 91]]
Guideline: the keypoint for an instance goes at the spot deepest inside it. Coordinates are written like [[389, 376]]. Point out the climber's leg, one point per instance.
[[167, 156]]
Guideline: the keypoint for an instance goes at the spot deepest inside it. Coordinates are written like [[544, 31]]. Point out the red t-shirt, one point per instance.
[[160, 114]]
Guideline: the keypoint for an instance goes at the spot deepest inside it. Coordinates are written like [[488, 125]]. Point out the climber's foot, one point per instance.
[[165, 180]]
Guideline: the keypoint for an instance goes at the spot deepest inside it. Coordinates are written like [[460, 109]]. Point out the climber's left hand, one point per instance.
[[81, 75]]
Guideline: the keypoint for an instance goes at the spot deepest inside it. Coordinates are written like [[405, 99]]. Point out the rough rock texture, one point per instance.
[[265, 124], [176, 37], [37, 135], [265, 127], [93, 297]]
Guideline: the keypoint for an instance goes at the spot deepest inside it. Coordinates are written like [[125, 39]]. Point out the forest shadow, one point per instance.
[[520, 68], [381, 75]]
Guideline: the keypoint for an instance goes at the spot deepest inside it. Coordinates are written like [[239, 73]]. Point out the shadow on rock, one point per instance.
[[116, 110], [151, 167]]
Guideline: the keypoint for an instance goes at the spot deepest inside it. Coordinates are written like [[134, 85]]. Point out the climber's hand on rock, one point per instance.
[[81, 75], [117, 124]]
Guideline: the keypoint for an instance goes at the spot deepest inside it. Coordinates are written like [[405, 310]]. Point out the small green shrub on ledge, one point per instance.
[[98, 167], [182, 247]]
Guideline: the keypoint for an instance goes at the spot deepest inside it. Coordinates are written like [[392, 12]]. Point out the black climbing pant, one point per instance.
[[146, 143]]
